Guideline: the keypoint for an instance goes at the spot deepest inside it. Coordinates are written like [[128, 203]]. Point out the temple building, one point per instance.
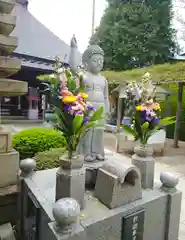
[[37, 48]]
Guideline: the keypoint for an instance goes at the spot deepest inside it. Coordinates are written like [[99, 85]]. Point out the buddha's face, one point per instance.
[[95, 63]]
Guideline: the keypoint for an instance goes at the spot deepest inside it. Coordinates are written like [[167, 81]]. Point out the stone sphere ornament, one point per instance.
[[27, 165], [169, 180], [66, 211]]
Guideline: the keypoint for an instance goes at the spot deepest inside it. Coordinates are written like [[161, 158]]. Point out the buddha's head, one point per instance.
[[93, 59]]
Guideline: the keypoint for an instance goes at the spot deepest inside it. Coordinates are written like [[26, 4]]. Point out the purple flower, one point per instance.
[[156, 120], [90, 108], [67, 108], [86, 119], [78, 113], [149, 118]]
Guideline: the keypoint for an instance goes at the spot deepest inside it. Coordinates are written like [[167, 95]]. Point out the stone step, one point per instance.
[[7, 23], [9, 66], [6, 6], [9, 87], [7, 44], [6, 232]]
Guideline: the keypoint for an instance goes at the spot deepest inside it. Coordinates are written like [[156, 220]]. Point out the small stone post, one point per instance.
[[144, 160], [169, 183], [27, 166], [66, 213], [70, 179]]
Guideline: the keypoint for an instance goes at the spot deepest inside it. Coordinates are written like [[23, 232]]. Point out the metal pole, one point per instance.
[[93, 16], [0, 110]]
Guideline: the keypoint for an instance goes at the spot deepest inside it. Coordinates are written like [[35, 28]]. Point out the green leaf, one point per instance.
[[167, 121], [61, 120], [77, 123], [129, 130], [46, 77], [144, 129], [71, 84], [137, 126], [145, 126], [97, 115], [68, 73]]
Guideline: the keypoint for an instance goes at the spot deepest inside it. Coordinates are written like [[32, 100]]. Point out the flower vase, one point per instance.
[[70, 178], [143, 150], [143, 159]]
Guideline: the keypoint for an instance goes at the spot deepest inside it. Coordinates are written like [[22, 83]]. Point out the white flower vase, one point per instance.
[[143, 150]]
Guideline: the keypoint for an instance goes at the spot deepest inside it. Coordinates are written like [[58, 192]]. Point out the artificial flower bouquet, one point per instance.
[[74, 114], [146, 116], [147, 121]]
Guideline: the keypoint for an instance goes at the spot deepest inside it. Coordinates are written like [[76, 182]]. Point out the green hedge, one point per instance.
[[31, 141], [168, 72], [49, 159]]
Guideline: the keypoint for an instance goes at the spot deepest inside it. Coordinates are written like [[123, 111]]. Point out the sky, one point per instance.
[[64, 20], [67, 17]]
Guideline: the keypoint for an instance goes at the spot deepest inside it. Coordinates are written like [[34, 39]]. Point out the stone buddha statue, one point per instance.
[[92, 144]]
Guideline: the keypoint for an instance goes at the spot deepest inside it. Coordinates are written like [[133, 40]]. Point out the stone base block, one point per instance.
[[9, 165], [147, 167], [5, 141], [117, 185], [71, 183], [128, 147]]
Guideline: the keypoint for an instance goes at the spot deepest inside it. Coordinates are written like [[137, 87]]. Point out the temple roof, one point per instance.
[[37, 40]]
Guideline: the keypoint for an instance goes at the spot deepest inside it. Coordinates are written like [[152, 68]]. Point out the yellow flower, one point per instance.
[[157, 106], [139, 108], [69, 99], [84, 95]]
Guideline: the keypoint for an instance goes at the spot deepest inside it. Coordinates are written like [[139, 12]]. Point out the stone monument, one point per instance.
[[9, 158], [117, 208], [118, 183], [92, 146]]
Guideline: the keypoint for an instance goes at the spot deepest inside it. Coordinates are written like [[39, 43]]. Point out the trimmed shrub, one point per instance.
[[31, 141], [49, 159]]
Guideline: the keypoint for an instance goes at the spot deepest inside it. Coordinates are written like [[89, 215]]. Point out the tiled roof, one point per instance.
[[33, 62], [37, 40]]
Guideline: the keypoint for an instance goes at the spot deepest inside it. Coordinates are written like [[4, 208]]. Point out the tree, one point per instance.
[[135, 33], [179, 7]]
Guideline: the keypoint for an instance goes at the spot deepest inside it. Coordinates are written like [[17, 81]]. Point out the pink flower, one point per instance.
[[79, 96], [63, 82], [78, 107], [65, 92]]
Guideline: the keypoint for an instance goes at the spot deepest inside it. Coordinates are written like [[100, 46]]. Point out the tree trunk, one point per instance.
[[178, 115]]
